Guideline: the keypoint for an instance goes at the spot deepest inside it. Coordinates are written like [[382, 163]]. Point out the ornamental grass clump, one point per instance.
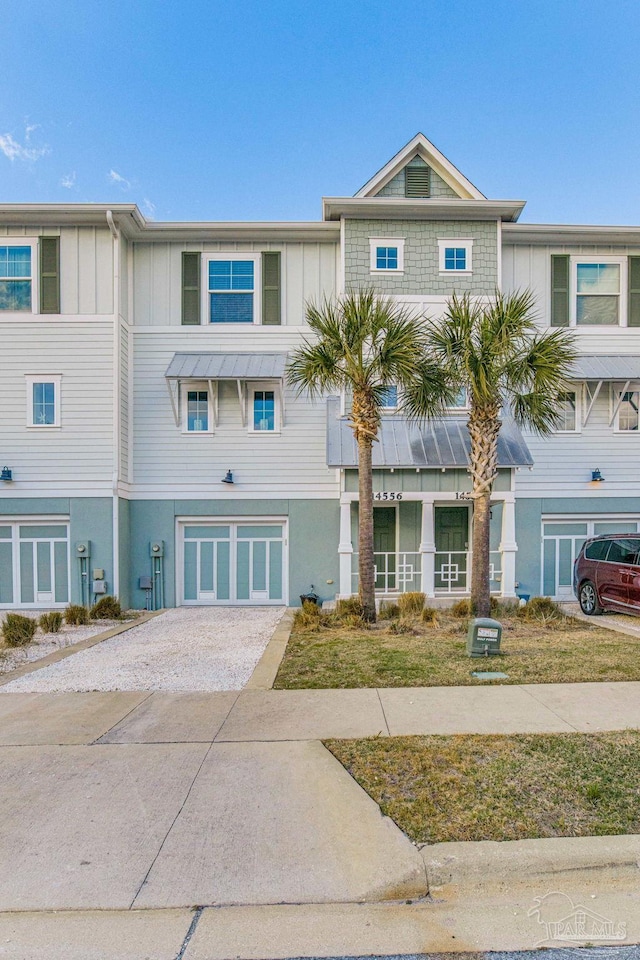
[[51, 622], [107, 608], [411, 603], [541, 610], [18, 631], [389, 610], [76, 615], [308, 617], [429, 615]]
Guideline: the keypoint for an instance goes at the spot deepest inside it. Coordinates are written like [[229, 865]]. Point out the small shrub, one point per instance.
[[349, 607], [411, 603], [429, 615], [462, 608], [107, 608], [389, 610], [353, 621], [51, 622], [309, 616], [18, 631], [541, 610], [401, 626], [76, 615]]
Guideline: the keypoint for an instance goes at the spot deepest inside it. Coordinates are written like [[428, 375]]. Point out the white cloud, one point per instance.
[[17, 151], [69, 180], [148, 208], [114, 177]]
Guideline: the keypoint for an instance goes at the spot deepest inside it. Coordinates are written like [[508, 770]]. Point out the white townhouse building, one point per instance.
[[150, 446]]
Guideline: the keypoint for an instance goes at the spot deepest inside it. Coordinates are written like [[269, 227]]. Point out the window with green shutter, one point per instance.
[[191, 267], [560, 291], [49, 274], [633, 318], [271, 310]]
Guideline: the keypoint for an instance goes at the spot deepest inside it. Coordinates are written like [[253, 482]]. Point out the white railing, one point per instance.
[[395, 572], [453, 571]]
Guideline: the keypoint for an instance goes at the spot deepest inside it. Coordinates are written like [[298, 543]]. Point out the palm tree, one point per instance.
[[364, 344], [496, 352]]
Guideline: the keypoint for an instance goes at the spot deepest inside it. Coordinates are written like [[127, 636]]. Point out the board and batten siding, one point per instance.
[[81, 450], [528, 266], [308, 273], [86, 266], [563, 461], [267, 464]]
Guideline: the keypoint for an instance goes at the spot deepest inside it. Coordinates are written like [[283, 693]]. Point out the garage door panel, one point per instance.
[[190, 570], [6, 571], [242, 570], [223, 571], [27, 590], [275, 570], [60, 554]]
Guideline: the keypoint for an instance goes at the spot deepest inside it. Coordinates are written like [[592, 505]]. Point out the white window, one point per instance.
[[569, 412], [461, 401], [386, 254], [626, 405], [17, 267], [264, 408], [390, 398], [232, 286], [197, 407], [599, 291], [43, 401], [455, 256]]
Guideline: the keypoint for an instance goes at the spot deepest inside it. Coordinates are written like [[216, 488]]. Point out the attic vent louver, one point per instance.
[[416, 181]]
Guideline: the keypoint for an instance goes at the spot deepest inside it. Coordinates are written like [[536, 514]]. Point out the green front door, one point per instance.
[[384, 547], [452, 543]]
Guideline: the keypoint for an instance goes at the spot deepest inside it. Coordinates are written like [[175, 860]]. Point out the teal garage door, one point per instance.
[[34, 564], [234, 562]]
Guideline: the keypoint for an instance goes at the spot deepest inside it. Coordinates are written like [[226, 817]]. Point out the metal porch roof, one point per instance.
[[227, 366], [403, 443], [607, 367]]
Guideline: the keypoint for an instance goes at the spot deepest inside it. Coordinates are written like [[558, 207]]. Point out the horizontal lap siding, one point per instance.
[[308, 273], [81, 449], [124, 401], [295, 459]]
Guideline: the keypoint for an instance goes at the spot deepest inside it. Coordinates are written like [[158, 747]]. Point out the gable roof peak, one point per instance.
[[419, 146]]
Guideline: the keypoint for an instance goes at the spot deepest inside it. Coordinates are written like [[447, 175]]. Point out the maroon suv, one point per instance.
[[606, 574]]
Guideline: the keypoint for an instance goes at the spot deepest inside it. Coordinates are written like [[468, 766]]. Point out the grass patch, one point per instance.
[[431, 651], [451, 788]]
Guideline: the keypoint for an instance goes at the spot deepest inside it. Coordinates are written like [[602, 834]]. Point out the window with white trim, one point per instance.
[[627, 403], [386, 254], [232, 289], [389, 399], [455, 256], [460, 402], [197, 408], [568, 406], [43, 401], [264, 408], [16, 277], [599, 291]]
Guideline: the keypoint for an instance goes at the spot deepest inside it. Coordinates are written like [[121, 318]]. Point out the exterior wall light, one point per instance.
[[6, 474], [228, 478], [596, 476]]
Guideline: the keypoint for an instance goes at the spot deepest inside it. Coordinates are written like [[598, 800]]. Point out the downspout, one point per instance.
[[115, 234]]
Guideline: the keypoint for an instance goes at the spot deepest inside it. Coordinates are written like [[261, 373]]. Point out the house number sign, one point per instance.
[[385, 495]]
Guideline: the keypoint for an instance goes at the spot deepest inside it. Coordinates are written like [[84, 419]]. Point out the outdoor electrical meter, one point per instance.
[[483, 637]]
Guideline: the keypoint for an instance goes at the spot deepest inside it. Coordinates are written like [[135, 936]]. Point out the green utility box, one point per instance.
[[483, 637]]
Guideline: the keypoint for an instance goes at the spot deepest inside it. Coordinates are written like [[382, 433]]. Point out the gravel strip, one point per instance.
[[186, 649], [45, 643]]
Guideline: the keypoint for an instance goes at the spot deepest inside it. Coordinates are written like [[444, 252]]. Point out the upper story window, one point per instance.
[[386, 255], [598, 289], [569, 412], [231, 291], [264, 409], [16, 292], [628, 405], [455, 256], [390, 398], [43, 401], [461, 402]]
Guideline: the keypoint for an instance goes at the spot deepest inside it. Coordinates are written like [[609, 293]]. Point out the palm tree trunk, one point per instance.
[[484, 427], [366, 569]]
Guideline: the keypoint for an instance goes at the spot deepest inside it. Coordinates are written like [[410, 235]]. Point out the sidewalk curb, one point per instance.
[[266, 669], [549, 863], [58, 655]]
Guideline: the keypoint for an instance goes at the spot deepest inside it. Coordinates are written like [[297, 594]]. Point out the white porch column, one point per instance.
[[345, 549], [508, 545], [428, 548]]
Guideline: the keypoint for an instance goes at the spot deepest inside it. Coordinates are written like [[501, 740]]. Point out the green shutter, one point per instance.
[[633, 318], [416, 181], [191, 288], [49, 274], [271, 289], [560, 291]]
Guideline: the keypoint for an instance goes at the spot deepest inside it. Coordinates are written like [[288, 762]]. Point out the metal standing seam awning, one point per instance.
[[595, 370], [214, 367], [404, 443]]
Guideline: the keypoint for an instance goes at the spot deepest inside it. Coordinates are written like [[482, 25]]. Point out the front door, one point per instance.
[[384, 547], [452, 544]]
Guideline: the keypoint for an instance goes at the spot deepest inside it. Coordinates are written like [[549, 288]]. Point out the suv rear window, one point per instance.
[[597, 550], [623, 551]]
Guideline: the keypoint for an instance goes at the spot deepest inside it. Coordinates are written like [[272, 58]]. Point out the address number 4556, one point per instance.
[[387, 496]]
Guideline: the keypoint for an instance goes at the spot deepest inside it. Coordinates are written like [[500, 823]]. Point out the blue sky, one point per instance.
[[255, 109]]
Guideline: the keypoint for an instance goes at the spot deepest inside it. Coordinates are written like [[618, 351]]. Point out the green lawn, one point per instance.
[[332, 655], [440, 788]]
